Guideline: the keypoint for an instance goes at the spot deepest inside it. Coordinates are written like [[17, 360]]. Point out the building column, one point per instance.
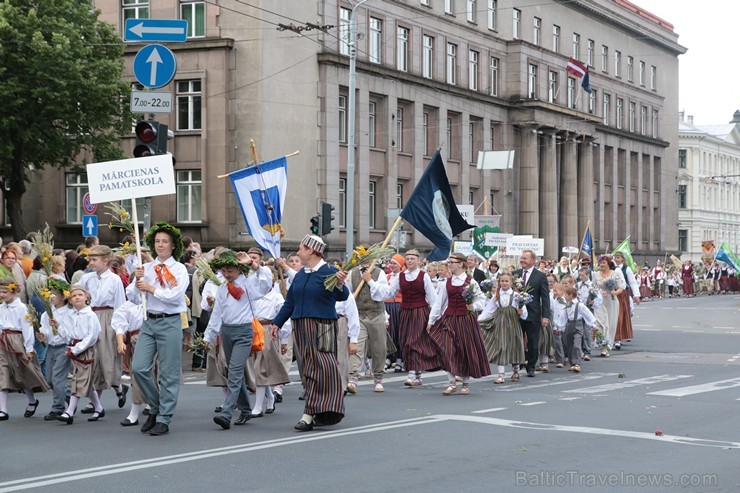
[[549, 195], [599, 215], [585, 187], [529, 183], [569, 194]]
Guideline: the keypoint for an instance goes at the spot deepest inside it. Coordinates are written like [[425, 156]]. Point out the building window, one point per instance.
[[342, 119], [140, 208], [576, 46], [425, 132], [376, 41], [189, 187], [590, 53], [683, 240], [556, 38], [592, 101], [427, 62], [449, 138], [425, 2], [450, 7], [371, 119], [188, 105], [537, 31], [643, 119], [371, 205], [682, 158], [620, 112], [471, 11], [471, 141], [552, 90], [653, 77], [682, 196], [516, 17], [135, 9], [402, 55], [399, 195], [492, 14], [399, 129], [451, 63], [195, 14], [604, 58], [532, 81], [471, 197], [76, 188], [473, 73], [655, 124], [344, 20], [617, 63], [342, 202], [630, 69], [641, 73], [606, 107], [572, 92], [494, 76], [631, 119]]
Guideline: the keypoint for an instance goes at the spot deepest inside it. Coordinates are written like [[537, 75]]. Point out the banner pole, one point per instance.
[[385, 244], [135, 220]]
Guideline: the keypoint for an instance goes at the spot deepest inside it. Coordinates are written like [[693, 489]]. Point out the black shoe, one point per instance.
[[122, 396], [127, 422], [64, 418], [243, 418], [52, 416], [278, 397], [530, 372], [303, 396], [89, 409], [218, 409], [3, 416], [303, 426], [222, 422], [269, 411], [159, 429], [149, 423], [97, 415], [259, 415], [145, 412], [31, 412]]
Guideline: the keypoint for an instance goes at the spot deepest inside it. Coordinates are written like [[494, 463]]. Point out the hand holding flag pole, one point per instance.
[[137, 241]]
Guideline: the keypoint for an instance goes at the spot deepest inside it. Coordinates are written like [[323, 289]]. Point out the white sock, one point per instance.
[[501, 368], [307, 418], [270, 397], [133, 415], [259, 400], [95, 399], [466, 380], [31, 397], [412, 375], [73, 401], [450, 377], [4, 401], [225, 391]]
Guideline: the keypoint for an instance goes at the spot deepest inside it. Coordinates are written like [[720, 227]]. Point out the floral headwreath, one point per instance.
[[58, 285], [228, 259], [175, 233]]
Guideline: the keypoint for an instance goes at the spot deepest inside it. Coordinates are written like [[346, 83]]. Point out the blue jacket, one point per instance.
[[308, 298]]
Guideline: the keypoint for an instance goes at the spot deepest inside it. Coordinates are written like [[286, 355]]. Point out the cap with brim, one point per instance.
[[228, 259], [256, 251], [619, 255], [314, 243], [78, 287]]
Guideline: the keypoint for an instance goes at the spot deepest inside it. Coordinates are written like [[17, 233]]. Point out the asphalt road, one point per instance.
[[659, 415]]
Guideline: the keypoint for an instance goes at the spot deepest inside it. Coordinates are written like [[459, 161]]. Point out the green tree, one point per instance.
[[62, 99]]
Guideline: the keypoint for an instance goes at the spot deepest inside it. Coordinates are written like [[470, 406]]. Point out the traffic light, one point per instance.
[[326, 218], [315, 221], [151, 138]]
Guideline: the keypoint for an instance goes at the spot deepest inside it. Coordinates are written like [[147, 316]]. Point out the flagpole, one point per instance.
[[220, 177], [583, 241], [135, 220], [385, 244]]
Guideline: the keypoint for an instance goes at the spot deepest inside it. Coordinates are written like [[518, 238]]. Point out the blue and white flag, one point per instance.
[[260, 191], [432, 211]]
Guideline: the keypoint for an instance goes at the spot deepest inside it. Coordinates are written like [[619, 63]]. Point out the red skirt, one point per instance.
[[624, 321], [458, 338]]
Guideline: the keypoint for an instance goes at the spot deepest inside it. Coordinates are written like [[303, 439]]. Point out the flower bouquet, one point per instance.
[[120, 218], [610, 285], [43, 246], [47, 297], [600, 338], [487, 286], [34, 319], [360, 255], [523, 298], [204, 270], [196, 344]]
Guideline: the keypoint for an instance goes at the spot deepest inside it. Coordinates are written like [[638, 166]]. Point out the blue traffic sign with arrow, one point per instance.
[[161, 30], [155, 66], [89, 225]]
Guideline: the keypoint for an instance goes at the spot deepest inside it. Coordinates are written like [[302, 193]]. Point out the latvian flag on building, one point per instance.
[[579, 70]]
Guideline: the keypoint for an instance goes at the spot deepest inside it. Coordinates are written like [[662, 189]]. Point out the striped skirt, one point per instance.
[[324, 391], [459, 340], [546, 342], [503, 337], [394, 321], [419, 352], [108, 367], [16, 371], [83, 371], [624, 321]]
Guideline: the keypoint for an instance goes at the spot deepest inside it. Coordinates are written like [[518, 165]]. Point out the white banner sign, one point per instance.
[[131, 178], [497, 239], [467, 212], [464, 247], [570, 249], [516, 245]]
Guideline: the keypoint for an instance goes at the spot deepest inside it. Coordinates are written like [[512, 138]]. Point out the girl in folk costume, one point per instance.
[[687, 277], [645, 281], [127, 320], [626, 298], [453, 326], [81, 328], [418, 350], [19, 365], [724, 278], [502, 331], [734, 281], [57, 362], [392, 307], [659, 276], [611, 283]]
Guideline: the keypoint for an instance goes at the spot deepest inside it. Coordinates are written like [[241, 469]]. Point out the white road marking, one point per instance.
[[533, 403], [699, 389], [650, 330], [581, 378], [625, 385], [492, 410], [569, 398], [723, 327]]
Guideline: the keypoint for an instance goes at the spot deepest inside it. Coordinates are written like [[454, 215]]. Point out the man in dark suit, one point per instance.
[[475, 272], [538, 311]]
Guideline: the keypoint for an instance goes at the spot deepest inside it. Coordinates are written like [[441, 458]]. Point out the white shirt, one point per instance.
[[492, 305], [440, 304], [83, 325], [348, 308], [166, 299], [48, 331], [127, 318], [631, 281], [209, 290], [132, 262], [556, 312], [584, 289], [391, 289], [578, 311], [377, 288], [105, 289], [13, 317]]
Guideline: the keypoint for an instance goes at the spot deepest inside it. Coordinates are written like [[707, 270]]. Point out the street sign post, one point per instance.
[[151, 102], [87, 204], [89, 225], [156, 30], [155, 66]]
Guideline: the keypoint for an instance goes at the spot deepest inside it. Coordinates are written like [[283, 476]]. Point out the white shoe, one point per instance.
[[378, 387]]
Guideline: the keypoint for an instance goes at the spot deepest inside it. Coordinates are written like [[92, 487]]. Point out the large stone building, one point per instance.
[[708, 185], [460, 75]]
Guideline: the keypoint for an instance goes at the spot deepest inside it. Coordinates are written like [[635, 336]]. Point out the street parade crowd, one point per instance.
[[78, 323]]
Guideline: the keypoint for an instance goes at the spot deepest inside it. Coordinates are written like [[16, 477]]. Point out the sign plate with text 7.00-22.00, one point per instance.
[[151, 102]]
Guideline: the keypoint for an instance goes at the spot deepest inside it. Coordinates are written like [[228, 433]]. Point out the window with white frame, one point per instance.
[[471, 197], [195, 13], [471, 141], [402, 49], [427, 58], [189, 195], [682, 158], [425, 2], [492, 15], [343, 119], [471, 14], [641, 73], [653, 77], [342, 202], [683, 240], [344, 20], [590, 52], [473, 72], [449, 138], [451, 63], [399, 195], [140, 208], [606, 100], [449, 6], [532, 81], [643, 120], [376, 41], [571, 92], [556, 38], [372, 201], [189, 105], [537, 31], [604, 58], [631, 117], [371, 122], [494, 76], [630, 69], [592, 98], [425, 132], [76, 188], [134, 9], [516, 17], [617, 63], [655, 124], [552, 86], [620, 112], [576, 46], [682, 197], [399, 129]]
